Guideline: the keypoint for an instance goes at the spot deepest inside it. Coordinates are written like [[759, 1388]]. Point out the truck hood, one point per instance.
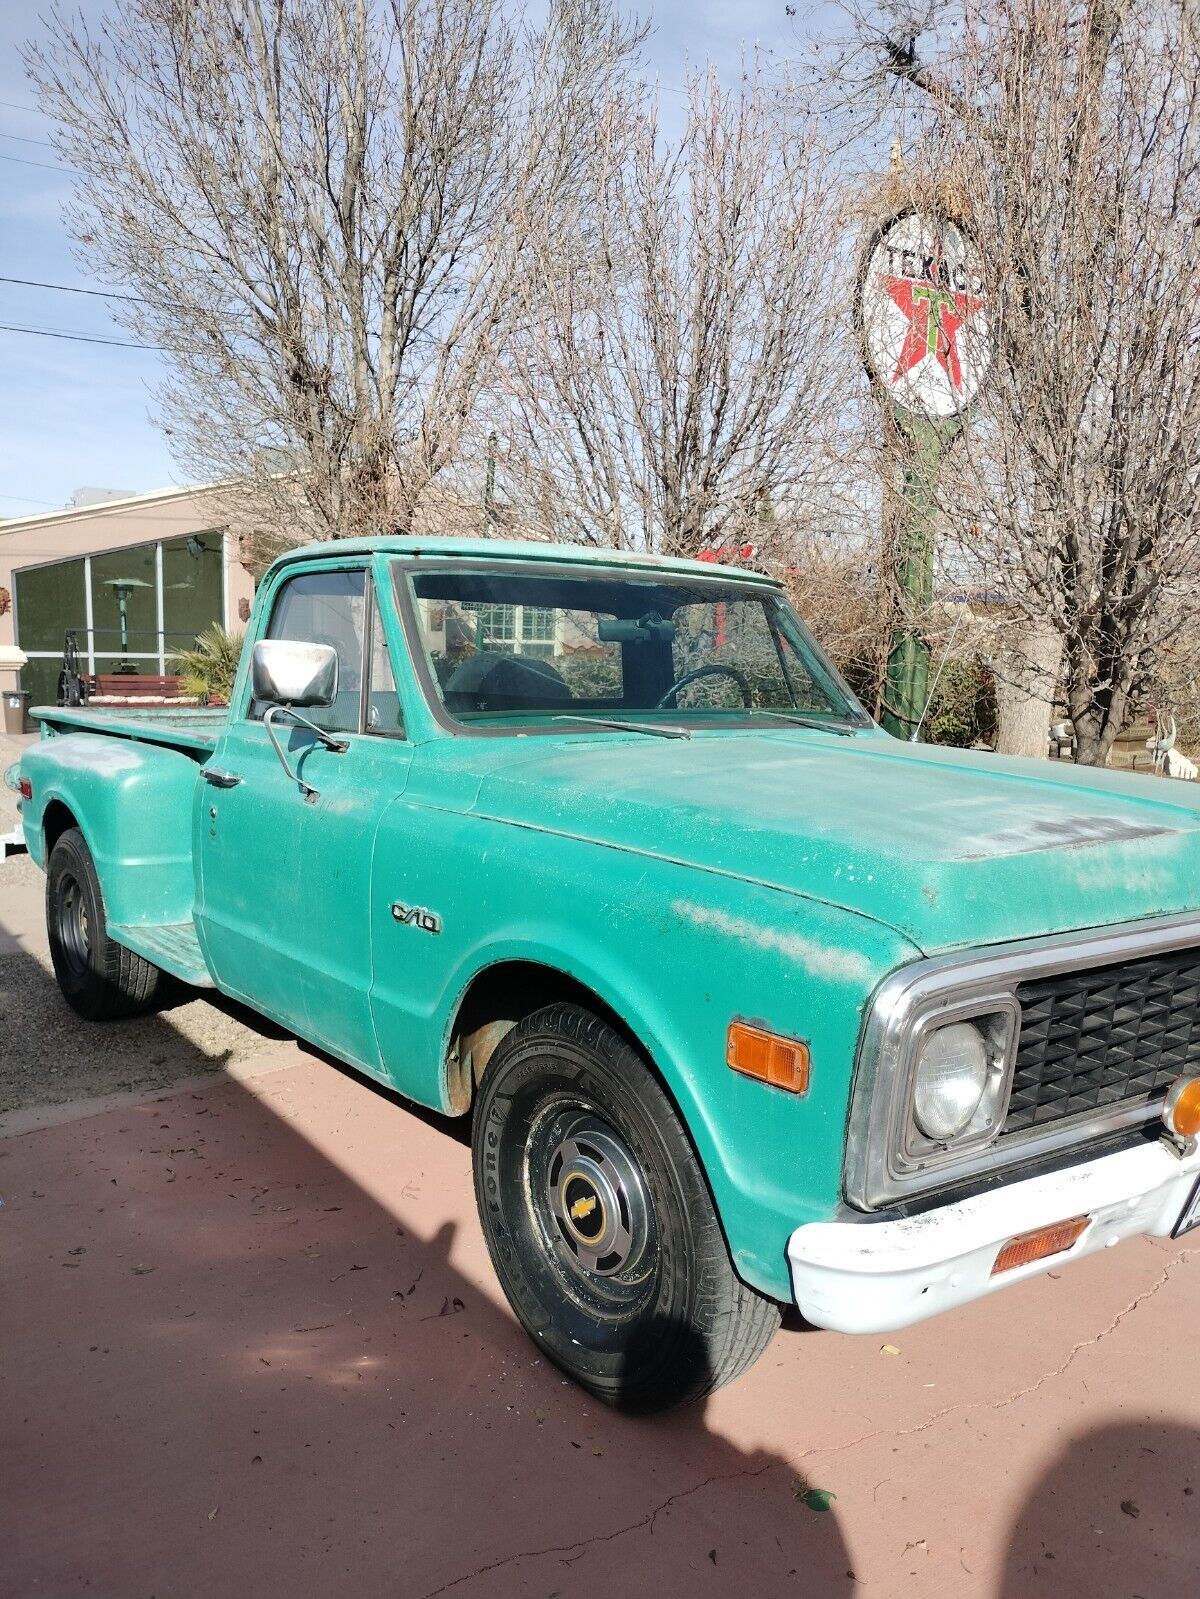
[[949, 848]]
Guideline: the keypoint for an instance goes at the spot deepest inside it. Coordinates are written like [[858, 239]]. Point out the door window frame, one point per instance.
[[371, 612]]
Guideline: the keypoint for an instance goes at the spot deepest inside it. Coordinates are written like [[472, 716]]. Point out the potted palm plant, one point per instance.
[[208, 669]]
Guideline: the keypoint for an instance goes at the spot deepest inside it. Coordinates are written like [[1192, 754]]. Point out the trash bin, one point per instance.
[[16, 710]]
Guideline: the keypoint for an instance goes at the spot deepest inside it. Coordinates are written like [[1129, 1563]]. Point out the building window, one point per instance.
[[537, 630], [192, 587], [130, 609], [48, 600], [513, 629], [125, 599], [497, 625]]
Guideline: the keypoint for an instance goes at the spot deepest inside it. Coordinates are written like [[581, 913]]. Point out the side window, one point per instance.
[[326, 608], [383, 702]]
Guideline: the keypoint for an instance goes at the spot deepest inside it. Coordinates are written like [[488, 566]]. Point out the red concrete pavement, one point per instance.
[[251, 1345]]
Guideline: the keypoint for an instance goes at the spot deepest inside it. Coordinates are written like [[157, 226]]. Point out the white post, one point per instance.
[[88, 617], [158, 609]]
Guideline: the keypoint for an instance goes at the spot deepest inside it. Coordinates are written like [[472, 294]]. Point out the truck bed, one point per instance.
[[184, 728]]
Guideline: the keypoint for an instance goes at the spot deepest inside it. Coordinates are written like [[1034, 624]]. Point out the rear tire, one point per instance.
[[99, 978], [599, 1221]]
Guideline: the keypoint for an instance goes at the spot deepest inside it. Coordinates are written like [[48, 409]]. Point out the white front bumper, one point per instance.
[[873, 1277]]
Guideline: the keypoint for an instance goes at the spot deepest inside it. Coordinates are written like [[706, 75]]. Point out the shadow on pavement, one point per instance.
[[48, 1057], [1118, 1513], [230, 1367]]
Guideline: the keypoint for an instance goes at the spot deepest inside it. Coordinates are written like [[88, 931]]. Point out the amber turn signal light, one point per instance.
[[1042, 1241], [782, 1062], [1181, 1113]]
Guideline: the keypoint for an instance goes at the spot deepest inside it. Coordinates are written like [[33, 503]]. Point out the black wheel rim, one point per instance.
[[591, 1209], [73, 926]]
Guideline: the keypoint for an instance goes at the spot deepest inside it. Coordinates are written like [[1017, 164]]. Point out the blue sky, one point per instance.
[[75, 414]]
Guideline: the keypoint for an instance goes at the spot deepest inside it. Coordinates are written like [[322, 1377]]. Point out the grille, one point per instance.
[[1102, 1037]]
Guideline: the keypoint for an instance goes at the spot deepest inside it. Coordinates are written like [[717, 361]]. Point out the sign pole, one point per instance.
[[907, 682], [489, 485], [922, 310]]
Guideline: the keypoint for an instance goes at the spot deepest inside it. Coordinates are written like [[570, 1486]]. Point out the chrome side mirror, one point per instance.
[[286, 671]]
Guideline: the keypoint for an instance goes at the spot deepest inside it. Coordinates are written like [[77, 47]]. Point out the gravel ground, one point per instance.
[[48, 1055], [10, 751]]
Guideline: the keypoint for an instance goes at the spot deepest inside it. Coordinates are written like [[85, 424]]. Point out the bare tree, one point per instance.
[[675, 386], [1176, 685], [323, 207], [1068, 133], [834, 582]]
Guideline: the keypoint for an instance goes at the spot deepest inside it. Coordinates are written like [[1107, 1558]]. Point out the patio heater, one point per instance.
[[123, 588]]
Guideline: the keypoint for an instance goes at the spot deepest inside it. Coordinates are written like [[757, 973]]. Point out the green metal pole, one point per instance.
[[907, 688], [489, 483]]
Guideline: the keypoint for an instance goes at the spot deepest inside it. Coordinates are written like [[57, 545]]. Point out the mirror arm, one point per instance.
[[339, 746]]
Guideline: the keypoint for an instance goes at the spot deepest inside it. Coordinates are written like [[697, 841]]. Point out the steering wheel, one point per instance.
[[713, 669]]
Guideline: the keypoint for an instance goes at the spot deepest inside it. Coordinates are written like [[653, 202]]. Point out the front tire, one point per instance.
[[99, 978], [599, 1221]]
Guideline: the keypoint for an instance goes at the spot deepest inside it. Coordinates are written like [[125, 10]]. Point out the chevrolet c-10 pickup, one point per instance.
[[750, 1003]]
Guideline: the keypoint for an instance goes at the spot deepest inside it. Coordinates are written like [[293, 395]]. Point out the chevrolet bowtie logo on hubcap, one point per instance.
[[582, 1208]]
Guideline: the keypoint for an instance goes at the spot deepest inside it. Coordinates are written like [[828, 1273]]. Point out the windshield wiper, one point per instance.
[[840, 728], [653, 730]]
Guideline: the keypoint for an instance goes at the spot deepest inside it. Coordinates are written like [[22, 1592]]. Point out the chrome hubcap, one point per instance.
[[597, 1198]]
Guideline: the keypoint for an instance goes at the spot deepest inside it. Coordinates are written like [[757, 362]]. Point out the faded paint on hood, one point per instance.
[[948, 847]]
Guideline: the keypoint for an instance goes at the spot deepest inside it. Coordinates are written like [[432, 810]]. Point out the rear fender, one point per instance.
[[133, 803]]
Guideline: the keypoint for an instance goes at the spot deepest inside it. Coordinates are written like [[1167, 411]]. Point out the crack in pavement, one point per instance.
[[574, 1551], [1022, 1393], [568, 1550]]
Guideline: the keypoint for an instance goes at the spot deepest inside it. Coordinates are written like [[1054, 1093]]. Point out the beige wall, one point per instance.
[[59, 535]]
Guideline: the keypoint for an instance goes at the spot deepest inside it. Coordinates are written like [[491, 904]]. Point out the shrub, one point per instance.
[[962, 711], [208, 669]]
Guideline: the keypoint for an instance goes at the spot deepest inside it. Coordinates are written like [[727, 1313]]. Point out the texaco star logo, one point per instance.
[[925, 316], [934, 318]]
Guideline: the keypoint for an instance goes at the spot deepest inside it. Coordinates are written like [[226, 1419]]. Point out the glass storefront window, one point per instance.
[[39, 679], [177, 584], [192, 583], [50, 599], [124, 607]]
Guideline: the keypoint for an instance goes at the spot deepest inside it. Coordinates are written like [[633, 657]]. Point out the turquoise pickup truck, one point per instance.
[[749, 1003]]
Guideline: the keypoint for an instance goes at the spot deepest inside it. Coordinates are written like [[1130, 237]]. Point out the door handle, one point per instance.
[[220, 779]]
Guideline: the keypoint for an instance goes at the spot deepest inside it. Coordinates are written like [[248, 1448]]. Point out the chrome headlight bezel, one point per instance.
[[888, 1157], [879, 1167]]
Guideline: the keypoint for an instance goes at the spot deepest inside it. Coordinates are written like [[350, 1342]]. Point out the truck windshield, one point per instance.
[[509, 645]]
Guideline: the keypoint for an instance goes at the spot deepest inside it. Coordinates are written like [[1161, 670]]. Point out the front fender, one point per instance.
[[677, 953]]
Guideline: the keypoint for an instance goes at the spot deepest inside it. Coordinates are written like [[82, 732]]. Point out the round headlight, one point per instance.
[[952, 1072]]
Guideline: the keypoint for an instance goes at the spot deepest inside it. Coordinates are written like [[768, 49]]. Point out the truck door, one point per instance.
[[353, 791], [284, 881]]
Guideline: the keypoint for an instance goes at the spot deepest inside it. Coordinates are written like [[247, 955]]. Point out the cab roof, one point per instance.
[[498, 549]]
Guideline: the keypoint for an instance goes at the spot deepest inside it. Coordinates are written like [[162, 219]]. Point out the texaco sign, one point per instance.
[[924, 316]]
